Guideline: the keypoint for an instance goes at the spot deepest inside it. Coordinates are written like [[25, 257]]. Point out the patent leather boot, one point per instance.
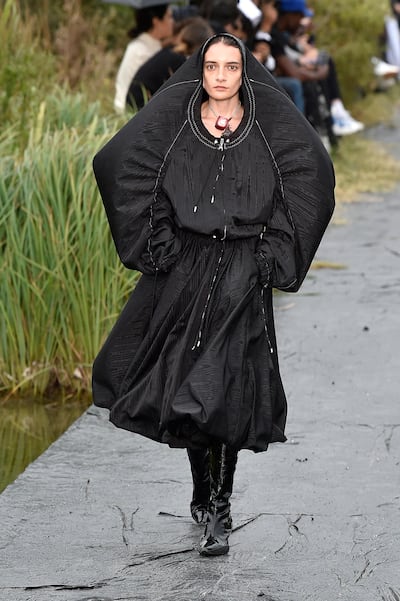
[[199, 465], [215, 540]]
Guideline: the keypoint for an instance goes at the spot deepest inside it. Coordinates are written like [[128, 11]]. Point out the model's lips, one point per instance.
[[220, 88]]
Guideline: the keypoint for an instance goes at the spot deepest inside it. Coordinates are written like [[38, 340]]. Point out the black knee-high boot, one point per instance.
[[215, 540], [199, 464]]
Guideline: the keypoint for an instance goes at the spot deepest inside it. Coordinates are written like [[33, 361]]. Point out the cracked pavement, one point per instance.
[[103, 515]]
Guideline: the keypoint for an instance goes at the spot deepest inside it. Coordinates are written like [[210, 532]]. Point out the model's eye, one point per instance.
[[210, 67], [233, 67]]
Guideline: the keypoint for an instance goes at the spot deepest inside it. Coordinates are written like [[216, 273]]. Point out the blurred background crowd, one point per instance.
[[280, 33]]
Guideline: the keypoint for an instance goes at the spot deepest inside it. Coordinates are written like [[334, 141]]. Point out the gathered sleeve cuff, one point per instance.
[[163, 247], [276, 252]]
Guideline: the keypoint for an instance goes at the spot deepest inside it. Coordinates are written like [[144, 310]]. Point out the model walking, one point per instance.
[[217, 191]]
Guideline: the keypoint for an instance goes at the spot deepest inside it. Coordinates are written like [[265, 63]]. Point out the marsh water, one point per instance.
[[28, 427]]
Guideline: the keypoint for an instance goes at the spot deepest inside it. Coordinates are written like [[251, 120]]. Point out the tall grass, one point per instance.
[[61, 282], [27, 71]]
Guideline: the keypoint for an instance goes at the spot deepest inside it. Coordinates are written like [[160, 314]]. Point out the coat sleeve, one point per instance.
[[163, 246], [303, 206], [276, 251], [128, 172]]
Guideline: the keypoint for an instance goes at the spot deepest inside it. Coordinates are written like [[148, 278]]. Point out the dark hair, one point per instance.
[[145, 16], [194, 33], [228, 40], [223, 13]]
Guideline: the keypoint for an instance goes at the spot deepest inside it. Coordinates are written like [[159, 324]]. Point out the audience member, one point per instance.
[[392, 35], [153, 25], [269, 49], [308, 60], [190, 34], [224, 16], [279, 33], [396, 10], [262, 50]]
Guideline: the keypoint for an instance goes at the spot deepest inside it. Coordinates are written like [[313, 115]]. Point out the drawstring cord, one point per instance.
[[265, 320], [263, 287], [153, 297], [198, 339], [153, 304]]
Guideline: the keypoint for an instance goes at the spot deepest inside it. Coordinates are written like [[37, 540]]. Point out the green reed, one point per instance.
[[62, 284]]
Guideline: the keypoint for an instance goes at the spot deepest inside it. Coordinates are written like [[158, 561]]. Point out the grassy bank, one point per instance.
[[62, 285]]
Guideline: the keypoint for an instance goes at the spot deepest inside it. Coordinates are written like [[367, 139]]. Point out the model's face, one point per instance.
[[222, 71]]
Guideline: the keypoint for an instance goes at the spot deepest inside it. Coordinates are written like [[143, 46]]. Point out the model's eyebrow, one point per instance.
[[228, 63]]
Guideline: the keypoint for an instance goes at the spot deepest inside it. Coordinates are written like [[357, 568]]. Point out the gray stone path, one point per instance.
[[104, 515]]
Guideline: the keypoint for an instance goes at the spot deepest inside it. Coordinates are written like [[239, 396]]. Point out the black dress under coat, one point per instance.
[[213, 225]]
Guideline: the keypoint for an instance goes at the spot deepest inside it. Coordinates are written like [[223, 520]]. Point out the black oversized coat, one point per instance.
[[213, 225]]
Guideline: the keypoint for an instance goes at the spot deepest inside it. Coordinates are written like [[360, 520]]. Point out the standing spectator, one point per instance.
[[153, 25]]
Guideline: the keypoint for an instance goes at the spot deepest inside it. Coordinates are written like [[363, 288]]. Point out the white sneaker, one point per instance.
[[382, 69], [341, 127], [343, 123]]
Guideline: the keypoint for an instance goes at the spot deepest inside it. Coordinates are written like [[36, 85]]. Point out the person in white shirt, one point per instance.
[[153, 25]]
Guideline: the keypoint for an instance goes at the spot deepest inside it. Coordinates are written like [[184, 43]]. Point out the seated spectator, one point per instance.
[[268, 50], [262, 50], [153, 25], [224, 16], [192, 36], [189, 36], [308, 60], [150, 76], [183, 12]]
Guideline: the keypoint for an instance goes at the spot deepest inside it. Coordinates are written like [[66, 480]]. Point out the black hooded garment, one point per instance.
[[213, 225]]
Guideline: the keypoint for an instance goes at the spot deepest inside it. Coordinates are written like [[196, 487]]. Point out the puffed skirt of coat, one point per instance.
[[192, 358]]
